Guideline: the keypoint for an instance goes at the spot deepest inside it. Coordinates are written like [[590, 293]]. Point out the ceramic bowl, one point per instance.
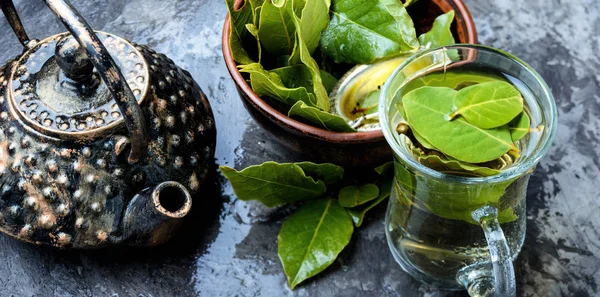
[[357, 149]]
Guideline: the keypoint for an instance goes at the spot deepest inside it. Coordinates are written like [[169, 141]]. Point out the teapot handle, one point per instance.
[[102, 61], [8, 8]]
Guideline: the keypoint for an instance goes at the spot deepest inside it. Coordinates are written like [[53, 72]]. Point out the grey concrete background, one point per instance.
[[229, 247]]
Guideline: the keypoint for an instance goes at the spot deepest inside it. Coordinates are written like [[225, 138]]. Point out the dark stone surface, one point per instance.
[[229, 247]]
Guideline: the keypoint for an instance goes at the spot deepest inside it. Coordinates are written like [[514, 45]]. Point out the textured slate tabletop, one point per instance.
[[229, 247]]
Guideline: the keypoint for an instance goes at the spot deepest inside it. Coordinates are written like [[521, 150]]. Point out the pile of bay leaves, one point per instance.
[[294, 51], [313, 236]]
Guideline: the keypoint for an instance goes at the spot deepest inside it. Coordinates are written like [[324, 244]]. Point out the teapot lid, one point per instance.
[[54, 88], [60, 94]]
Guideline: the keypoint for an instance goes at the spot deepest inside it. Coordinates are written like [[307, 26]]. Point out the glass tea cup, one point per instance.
[[453, 231]]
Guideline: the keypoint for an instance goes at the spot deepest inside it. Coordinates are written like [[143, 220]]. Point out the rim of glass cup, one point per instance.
[[512, 172]]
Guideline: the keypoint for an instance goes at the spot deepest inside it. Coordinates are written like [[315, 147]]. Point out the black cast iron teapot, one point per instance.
[[102, 141]]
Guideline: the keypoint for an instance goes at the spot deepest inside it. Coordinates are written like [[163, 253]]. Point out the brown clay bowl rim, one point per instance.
[[305, 129]]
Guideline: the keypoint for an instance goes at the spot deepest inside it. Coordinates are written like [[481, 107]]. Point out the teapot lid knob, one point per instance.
[[72, 60]]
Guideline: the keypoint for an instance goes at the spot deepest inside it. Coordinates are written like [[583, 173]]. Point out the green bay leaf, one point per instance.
[[443, 164], [278, 3], [329, 81], [276, 29], [266, 83], [488, 105], [256, 7], [454, 80], [295, 76], [352, 196], [400, 108], [440, 33], [319, 118], [385, 169], [449, 200], [362, 31], [420, 139], [457, 203], [256, 4], [427, 109], [299, 75], [408, 3], [426, 144], [273, 184], [358, 213], [254, 31], [313, 20], [239, 36], [327, 172], [519, 126], [301, 55], [370, 104], [311, 239], [507, 215], [297, 4]]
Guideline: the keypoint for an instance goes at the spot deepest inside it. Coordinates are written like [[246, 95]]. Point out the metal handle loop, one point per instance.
[[8, 8]]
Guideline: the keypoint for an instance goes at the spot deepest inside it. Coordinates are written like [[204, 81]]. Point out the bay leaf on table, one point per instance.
[[312, 237], [273, 184], [301, 53], [358, 213], [276, 29], [266, 83], [488, 105], [427, 109], [351, 196], [362, 31], [319, 118], [327, 172], [440, 33], [519, 126]]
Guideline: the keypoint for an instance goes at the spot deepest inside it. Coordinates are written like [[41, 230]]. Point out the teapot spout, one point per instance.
[[154, 213]]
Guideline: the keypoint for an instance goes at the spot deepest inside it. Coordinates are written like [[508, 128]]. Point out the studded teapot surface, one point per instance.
[[102, 141]]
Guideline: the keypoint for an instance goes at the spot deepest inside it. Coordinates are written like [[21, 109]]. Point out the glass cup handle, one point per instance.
[[498, 277]]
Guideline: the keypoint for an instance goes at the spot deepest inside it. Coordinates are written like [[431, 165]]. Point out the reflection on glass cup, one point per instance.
[[455, 231]]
